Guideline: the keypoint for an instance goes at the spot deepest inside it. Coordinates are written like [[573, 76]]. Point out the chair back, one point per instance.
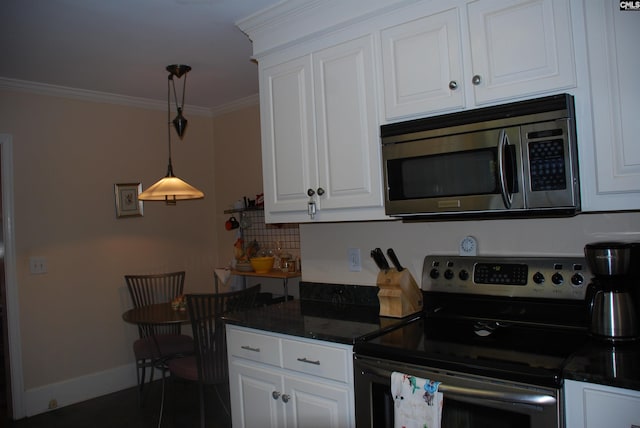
[[156, 288], [205, 312]]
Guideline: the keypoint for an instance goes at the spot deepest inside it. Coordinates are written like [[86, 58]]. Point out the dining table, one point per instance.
[[156, 314]]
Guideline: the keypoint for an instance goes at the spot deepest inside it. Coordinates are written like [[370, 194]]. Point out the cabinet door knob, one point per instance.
[[310, 192], [285, 398], [476, 80], [275, 395], [453, 85], [320, 191]]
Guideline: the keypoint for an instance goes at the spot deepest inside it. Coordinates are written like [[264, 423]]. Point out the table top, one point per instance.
[[159, 313]]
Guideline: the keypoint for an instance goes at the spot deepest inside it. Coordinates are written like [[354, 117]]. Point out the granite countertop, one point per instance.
[[606, 364], [339, 323], [345, 314]]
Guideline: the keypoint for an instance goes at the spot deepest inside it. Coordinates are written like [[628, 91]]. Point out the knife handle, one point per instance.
[[394, 259]]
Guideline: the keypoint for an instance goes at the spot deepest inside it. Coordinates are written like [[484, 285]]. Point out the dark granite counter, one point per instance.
[[331, 312], [606, 365], [315, 320], [344, 314]]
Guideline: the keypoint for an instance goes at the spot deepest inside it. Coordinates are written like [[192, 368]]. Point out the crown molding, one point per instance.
[[250, 101], [93, 96]]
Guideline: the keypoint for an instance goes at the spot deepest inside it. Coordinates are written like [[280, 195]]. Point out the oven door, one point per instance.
[[477, 171], [469, 401]]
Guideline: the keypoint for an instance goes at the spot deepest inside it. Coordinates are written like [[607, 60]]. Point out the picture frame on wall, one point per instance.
[[127, 202]]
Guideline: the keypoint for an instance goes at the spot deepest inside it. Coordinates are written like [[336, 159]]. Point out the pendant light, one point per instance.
[[171, 189]]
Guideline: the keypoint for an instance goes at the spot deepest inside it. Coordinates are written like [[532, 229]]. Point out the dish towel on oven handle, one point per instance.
[[418, 404]]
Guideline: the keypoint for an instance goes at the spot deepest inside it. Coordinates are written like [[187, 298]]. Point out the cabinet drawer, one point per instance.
[[255, 347], [317, 360]]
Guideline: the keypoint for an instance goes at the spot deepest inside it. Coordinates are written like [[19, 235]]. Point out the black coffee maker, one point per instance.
[[613, 292]]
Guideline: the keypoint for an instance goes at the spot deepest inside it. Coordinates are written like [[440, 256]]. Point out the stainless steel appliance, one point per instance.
[[495, 331], [509, 160], [612, 292]]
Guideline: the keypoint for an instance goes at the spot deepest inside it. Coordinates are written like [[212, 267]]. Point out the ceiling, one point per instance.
[[122, 47]]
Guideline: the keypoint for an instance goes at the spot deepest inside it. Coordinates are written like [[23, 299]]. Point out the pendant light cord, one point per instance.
[[169, 82]]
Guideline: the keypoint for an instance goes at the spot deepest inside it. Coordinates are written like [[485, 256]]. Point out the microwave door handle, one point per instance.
[[503, 141]]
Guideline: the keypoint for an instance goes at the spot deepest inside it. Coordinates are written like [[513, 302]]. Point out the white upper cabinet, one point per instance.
[[288, 137], [519, 47], [320, 136], [422, 65], [610, 169], [478, 53]]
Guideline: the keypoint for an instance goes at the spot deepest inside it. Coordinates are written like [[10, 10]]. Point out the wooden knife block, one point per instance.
[[398, 293]]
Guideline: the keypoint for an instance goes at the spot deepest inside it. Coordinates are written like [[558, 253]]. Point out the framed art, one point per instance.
[[127, 202]]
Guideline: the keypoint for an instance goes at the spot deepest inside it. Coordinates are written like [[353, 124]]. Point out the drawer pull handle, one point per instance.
[[305, 360], [249, 348]]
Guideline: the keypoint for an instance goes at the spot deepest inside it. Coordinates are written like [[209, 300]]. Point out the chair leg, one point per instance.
[[202, 408], [222, 400], [141, 372]]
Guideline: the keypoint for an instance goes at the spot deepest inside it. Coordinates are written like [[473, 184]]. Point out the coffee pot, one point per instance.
[[612, 295]]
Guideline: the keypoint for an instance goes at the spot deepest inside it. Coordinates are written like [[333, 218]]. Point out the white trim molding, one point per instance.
[[79, 389], [10, 278]]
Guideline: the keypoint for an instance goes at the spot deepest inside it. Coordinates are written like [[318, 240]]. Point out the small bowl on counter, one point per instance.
[[262, 264]]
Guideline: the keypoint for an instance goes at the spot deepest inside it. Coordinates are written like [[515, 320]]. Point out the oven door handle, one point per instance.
[[460, 391]]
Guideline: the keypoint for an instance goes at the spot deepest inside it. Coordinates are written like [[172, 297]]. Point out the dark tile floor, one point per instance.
[[121, 410]]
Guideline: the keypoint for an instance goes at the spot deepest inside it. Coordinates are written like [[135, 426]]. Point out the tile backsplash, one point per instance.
[[270, 235]]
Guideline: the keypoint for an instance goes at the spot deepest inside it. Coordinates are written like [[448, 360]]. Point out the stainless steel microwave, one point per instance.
[[517, 159]]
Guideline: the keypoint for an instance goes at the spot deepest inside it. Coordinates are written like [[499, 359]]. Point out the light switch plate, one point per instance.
[[355, 264], [37, 265]]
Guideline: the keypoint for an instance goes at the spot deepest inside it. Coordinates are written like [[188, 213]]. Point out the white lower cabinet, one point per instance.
[[591, 405], [280, 381]]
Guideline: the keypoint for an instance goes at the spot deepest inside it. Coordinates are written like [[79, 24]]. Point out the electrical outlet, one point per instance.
[[37, 265], [353, 254]]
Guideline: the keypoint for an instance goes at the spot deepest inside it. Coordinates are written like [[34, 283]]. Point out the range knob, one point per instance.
[[448, 274], [434, 273], [538, 278], [463, 275], [557, 278], [577, 279]]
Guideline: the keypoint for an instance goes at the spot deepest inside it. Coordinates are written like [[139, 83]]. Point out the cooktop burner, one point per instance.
[[515, 352]]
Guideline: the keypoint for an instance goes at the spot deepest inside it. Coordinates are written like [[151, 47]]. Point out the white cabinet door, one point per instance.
[[347, 131], [320, 135], [520, 47], [610, 171], [288, 136], [317, 404], [476, 53], [422, 65], [255, 396], [599, 406]]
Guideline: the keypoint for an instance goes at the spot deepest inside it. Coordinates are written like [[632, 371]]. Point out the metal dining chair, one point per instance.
[[157, 343], [208, 366]]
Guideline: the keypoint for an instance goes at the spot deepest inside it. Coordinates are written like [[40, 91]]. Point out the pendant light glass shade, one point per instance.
[[171, 188]]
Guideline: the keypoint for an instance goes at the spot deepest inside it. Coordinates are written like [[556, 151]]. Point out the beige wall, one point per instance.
[[68, 154], [324, 246], [237, 169]]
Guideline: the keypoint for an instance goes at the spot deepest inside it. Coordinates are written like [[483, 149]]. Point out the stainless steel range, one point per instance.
[[496, 332]]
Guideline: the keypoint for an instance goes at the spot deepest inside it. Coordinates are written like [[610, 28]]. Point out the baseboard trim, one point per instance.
[[79, 389]]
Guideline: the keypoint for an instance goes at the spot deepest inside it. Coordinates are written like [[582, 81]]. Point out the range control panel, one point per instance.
[[532, 277]]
